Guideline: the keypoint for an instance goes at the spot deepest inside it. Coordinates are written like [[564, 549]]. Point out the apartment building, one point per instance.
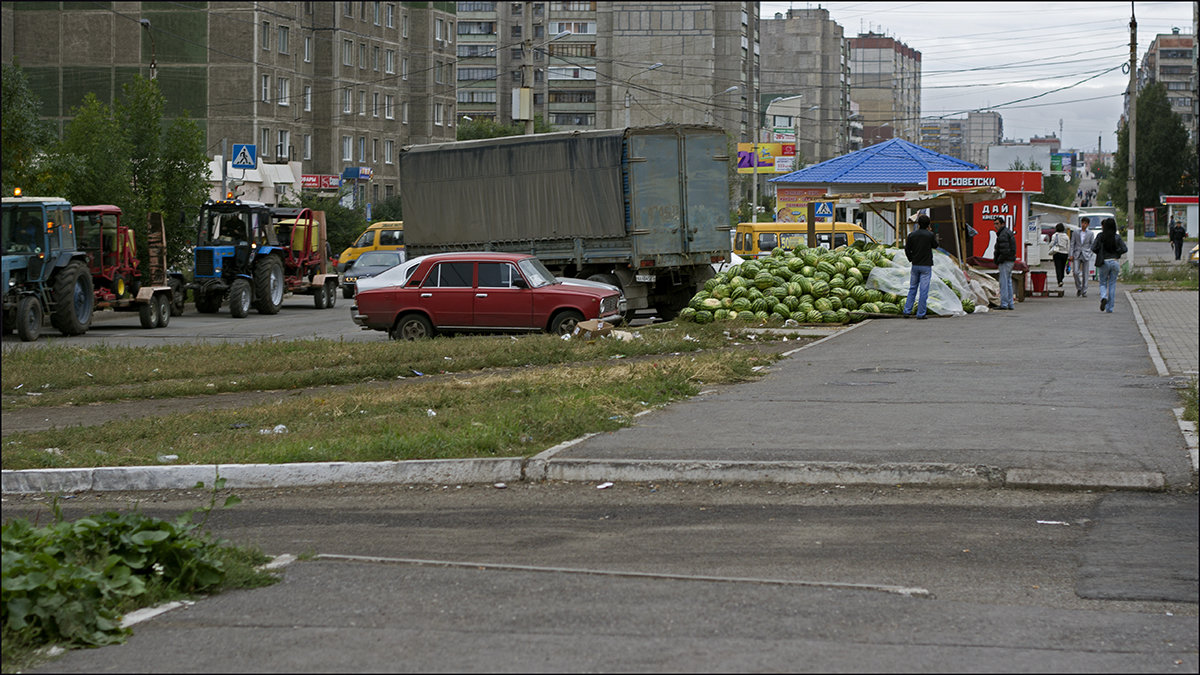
[[885, 80], [944, 136], [338, 87], [1171, 60], [805, 54]]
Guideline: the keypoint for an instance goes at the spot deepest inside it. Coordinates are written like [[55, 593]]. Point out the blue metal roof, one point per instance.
[[892, 161]]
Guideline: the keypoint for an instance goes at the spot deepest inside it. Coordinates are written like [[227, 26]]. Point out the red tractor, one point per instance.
[[116, 275], [306, 254]]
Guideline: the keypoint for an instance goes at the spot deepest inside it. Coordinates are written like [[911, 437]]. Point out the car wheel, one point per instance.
[[412, 327], [564, 322]]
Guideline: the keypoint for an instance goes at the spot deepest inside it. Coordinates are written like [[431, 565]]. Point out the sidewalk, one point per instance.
[[1055, 393]]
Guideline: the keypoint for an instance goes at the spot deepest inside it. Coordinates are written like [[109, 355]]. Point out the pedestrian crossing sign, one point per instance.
[[245, 156], [824, 209]]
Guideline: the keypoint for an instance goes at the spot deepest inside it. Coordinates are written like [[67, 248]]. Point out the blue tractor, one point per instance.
[[44, 272], [237, 257]]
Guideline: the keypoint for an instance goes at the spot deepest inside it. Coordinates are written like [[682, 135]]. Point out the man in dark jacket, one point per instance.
[[1004, 255], [919, 249], [1178, 234]]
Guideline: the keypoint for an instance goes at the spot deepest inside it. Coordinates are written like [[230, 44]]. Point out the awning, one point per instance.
[[240, 175], [277, 173]]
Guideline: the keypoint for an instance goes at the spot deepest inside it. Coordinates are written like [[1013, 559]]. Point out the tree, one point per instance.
[[388, 209], [486, 127], [1166, 161], [25, 134], [1055, 190], [90, 165]]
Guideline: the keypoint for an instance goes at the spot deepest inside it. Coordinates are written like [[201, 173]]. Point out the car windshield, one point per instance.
[[378, 259], [536, 272]]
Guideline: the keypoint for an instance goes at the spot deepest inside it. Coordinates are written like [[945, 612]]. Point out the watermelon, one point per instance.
[[721, 315], [808, 271], [687, 313], [870, 307], [821, 275], [746, 316], [804, 307], [711, 283], [835, 302], [761, 316], [711, 304], [758, 305], [781, 312], [795, 264], [806, 284], [791, 302], [839, 293], [720, 291], [827, 267], [829, 317], [823, 305], [889, 308], [874, 295], [740, 292], [741, 304], [850, 304], [764, 280], [703, 316], [813, 316], [820, 289], [968, 306]]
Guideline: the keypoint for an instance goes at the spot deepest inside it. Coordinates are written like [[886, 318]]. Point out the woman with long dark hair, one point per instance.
[[1108, 248]]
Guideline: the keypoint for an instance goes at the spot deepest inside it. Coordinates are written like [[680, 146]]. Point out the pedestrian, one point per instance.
[[1060, 247], [919, 248], [1082, 256], [1108, 248], [1004, 255], [1178, 232]]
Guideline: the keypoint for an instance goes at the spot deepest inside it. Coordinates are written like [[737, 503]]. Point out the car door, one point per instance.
[[499, 301], [448, 293]]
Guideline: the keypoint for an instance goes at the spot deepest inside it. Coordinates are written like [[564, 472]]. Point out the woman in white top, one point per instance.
[[1060, 246]]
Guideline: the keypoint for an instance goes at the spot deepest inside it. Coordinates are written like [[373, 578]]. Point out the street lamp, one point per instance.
[[628, 82], [153, 65], [708, 110]]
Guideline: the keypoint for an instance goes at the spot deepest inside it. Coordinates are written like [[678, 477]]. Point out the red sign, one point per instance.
[[1011, 208], [311, 181], [1009, 181]]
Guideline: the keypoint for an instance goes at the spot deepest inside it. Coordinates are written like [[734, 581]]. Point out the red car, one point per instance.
[[481, 291]]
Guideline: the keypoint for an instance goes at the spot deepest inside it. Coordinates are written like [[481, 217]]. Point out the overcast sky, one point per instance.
[[984, 55]]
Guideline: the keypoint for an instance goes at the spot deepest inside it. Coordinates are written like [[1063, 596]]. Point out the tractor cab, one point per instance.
[[231, 232]]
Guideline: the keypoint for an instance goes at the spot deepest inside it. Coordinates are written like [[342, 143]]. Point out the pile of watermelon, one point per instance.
[[807, 285]]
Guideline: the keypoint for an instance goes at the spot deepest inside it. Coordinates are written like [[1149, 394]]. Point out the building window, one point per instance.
[[476, 27], [362, 102], [388, 190], [266, 88], [264, 145], [362, 56], [437, 72], [307, 49], [266, 35], [404, 25], [346, 100], [375, 58], [283, 39], [477, 74], [404, 68], [404, 112], [389, 61], [387, 106], [307, 146], [376, 10], [374, 150], [348, 9], [362, 13], [438, 26], [576, 27], [307, 98], [347, 53], [283, 150], [362, 148], [391, 16], [437, 114], [389, 148], [375, 104], [346, 156], [284, 87]]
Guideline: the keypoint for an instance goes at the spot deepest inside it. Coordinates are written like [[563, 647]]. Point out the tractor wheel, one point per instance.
[[208, 303], [29, 318], [239, 299], [268, 285], [73, 299], [178, 297], [164, 310], [148, 313], [330, 294], [118, 286], [319, 298]]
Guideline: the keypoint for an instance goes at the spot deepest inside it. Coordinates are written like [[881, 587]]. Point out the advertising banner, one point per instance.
[[310, 181], [791, 204], [767, 152], [1017, 185]]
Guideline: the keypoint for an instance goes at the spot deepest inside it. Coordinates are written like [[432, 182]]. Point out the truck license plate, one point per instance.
[[644, 278]]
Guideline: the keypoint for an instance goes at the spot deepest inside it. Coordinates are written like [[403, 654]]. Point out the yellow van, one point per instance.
[[385, 235], [754, 240]]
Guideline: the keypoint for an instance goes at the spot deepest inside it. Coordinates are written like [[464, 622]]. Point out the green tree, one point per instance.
[[90, 165], [388, 209], [25, 134], [1055, 190], [486, 127], [1099, 170], [342, 224], [1166, 161], [184, 180]]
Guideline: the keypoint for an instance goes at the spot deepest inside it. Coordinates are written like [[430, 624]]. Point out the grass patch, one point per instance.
[[1163, 277], [68, 584], [63, 374], [483, 415], [1189, 395]]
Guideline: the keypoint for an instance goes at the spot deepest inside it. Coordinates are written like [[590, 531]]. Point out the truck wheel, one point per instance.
[[73, 299], [564, 322], [412, 327], [29, 318], [148, 313], [268, 285], [164, 310], [208, 303], [178, 297], [239, 299], [330, 294], [319, 298]]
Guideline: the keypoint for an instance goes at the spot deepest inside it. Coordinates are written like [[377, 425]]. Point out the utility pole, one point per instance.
[[1131, 209], [527, 61], [754, 158]]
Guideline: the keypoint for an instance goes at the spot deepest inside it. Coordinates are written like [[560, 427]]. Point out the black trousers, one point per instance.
[[1060, 264], [1178, 248]]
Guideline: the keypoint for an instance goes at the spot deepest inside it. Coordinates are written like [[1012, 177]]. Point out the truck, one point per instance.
[[117, 278], [44, 273], [239, 257], [645, 209]]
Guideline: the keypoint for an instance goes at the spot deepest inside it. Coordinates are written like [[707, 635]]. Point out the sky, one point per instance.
[[991, 55]]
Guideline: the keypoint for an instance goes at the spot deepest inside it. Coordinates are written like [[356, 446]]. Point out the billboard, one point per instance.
[[1005, 157], [768, 153]]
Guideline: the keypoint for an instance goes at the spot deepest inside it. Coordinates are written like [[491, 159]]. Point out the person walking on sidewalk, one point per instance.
[[1108, 248], [1082, 256], [1178, 233], [1004, 255], [1060, 247], [919, 248]]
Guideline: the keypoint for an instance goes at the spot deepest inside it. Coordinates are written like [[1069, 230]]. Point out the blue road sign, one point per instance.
[[824, 209], [245, 156]]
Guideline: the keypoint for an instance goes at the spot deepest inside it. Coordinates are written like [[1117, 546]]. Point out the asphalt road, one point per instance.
[[667, 577]]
